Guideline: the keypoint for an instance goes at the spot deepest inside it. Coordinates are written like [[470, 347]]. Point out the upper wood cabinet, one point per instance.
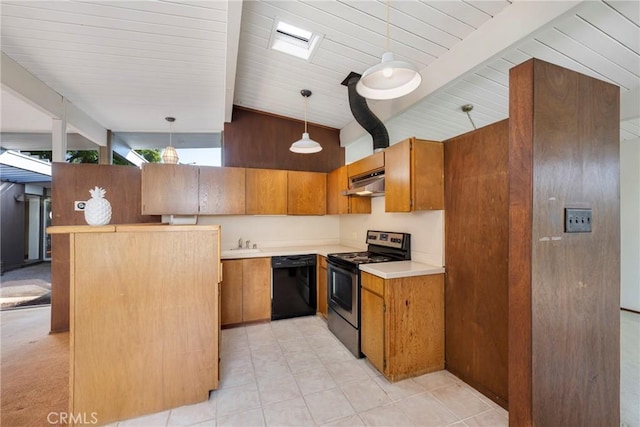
[[307, 193], [266, 192], [414, 176], [367, 164], [337, 182], [169, 189], [221, 191]]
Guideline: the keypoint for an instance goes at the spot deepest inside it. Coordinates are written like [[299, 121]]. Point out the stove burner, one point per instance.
[[363, 257]]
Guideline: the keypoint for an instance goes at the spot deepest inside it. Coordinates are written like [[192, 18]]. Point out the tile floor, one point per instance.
[[294, 372]]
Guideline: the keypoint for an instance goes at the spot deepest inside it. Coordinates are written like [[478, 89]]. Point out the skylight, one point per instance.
[[293, 40]]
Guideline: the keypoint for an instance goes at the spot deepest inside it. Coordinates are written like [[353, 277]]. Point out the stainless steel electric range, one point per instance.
[[343, 282]]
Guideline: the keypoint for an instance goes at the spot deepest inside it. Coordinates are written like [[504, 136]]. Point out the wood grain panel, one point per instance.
[[231, 292], [366, 164], [427, 175], [256, 289], [372, 328], [71, 182], [521, 98], [398, 177], [337, 181], [477, 224], [254, 139], [414, 325], [568, 132], [321, 289], [307, 193], [373, 283], [143, 328], [221, 191], [169, 189], [266, 192]]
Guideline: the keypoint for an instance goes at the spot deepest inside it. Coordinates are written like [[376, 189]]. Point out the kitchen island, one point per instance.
[[144, 317]]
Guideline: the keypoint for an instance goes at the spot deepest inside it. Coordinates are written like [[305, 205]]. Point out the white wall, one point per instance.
[[276, 231], [630, 224], [426, 228]]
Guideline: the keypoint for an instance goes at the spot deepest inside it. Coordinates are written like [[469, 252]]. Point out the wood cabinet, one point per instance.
[[266, 192], [143, 318], [307, 193], [374, 162], [402, 331], [321, 282], [337, 204], [414, 177], [246, 290], [169, 189], [221, 191]]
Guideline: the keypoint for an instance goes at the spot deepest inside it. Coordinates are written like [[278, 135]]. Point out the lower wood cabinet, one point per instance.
[[246, 290], [402, 328], [321, 282]]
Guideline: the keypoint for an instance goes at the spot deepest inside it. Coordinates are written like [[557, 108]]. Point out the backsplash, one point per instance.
[[426, 228]]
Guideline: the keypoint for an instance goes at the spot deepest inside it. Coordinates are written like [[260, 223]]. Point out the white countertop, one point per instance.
[[287, 250], [397, 269]]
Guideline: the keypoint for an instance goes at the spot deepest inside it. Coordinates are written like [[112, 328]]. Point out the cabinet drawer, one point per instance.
[[373, 283]]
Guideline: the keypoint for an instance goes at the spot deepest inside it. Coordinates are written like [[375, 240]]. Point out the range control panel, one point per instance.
[[386, 238]]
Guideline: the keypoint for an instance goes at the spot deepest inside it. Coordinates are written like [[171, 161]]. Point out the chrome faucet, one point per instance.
[[247, 244], [240, 243]]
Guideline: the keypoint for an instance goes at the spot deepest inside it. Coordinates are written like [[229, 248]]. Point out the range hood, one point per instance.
[[369, 185]]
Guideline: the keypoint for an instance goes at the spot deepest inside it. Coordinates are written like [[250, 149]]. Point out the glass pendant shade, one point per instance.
[[305, 145], [389, 79], [170, 155]]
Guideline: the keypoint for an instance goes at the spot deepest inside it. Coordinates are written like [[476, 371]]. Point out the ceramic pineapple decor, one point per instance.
[[97, 211]]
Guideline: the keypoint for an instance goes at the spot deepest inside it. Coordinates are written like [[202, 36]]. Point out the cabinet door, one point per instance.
[[221, 191], [169, 189], [322, 285], [337, 204], [266, 192], [337, 181], [256, 289], [231, 292], [397, 173], [372, 328], [427, 175], [307, 193]]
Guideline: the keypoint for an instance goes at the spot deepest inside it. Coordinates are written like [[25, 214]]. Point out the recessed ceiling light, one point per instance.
[[293, 40]]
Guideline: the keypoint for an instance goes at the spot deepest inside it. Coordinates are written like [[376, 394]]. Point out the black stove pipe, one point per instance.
[[364, 116]]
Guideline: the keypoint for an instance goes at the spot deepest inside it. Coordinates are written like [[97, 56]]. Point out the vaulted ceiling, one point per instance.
[[128, 64]]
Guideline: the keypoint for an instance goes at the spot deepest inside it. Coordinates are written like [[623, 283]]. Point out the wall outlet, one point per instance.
[[577, 220], [79, 205]]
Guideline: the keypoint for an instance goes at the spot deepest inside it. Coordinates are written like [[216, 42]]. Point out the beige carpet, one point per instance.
[[35, 369]]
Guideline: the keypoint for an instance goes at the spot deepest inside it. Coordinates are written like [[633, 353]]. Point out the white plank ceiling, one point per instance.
[[128, 64]]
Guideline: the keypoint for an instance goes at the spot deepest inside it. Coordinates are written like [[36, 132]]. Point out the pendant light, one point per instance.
[[390, 78], [305, 145], [170, 155]]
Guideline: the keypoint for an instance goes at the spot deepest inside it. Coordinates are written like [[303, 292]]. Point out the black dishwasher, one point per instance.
[[294, 286]]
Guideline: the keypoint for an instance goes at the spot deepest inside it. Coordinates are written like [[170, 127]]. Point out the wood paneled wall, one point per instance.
[[255, 139], [476, 241], [564, 288], [71, 182]]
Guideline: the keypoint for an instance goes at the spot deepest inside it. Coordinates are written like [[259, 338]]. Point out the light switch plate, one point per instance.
[[577, 220]]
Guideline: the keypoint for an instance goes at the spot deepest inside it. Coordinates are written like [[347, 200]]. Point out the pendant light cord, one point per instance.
[[170, 134], [305, 114], [388, 33]]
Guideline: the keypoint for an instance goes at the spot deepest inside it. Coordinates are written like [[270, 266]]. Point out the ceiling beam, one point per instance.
[[234, 21], [20, 82], [507, 29]]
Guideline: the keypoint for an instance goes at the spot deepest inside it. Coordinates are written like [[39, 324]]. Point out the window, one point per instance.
[[294, 41]]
